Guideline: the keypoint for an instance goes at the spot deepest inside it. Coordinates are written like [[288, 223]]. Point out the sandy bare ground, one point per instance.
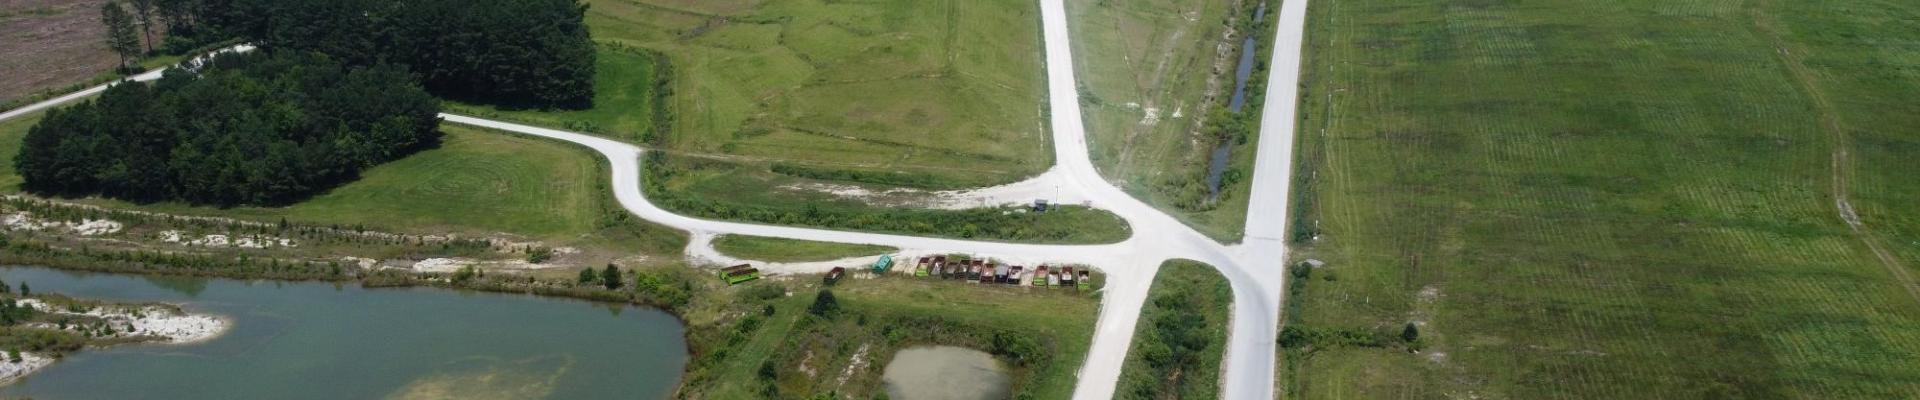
[[50, 44]]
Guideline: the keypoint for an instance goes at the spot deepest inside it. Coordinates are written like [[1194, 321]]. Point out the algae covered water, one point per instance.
[[326, 341]]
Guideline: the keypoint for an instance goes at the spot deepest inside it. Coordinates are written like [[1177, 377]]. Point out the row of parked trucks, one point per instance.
[[983, 271], [956, 268]]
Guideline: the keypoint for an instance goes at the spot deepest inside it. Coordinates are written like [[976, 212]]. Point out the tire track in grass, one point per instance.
[[1803, 78]]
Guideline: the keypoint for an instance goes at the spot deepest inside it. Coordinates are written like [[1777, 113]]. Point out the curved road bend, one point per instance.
[[1255, 268]]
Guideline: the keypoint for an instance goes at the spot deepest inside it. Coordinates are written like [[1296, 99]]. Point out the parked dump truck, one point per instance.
[[833, 276], [1066, 276], [734, 275], [1085, 279], [1017, 275], [939, 266], [973, 271], [1040, 276], [1000, 273], [986, 273], [1053, 278], [882, 265]]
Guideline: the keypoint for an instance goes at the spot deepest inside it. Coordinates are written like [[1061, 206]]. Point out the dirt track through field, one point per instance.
[[1830, 121]]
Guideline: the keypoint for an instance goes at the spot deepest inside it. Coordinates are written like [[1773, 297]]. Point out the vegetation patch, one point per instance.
[[244, 129], [1651, 214], [1182, 335], [764, 343], [789, 250], [668, 179], [1157, 78]]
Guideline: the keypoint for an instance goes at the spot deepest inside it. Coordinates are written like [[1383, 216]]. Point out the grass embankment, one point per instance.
[[1605, 200], [1146, 69], [762, 343], [476, 183], [679, 184], [788, 250], [1182, 335]]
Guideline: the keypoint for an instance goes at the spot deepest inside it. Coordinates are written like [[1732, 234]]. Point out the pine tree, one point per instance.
[[611, 277], [586, 275], [144, 10], [120, 34]]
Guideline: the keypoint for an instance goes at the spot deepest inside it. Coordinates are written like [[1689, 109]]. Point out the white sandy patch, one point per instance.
[[11, 371], [26, 221], [1046, 186], [162, 322], [218, 240], [94, 227], [439, 265], [448, 265], [858, 361]]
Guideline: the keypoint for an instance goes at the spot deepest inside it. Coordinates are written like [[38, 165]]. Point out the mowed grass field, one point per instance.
[[623, 96], [1143, 67], [1625, 199], [948, 88], [477, 182], [788, 250]]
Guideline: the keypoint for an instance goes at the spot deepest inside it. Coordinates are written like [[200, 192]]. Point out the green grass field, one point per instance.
[[948, 88], [1144, 67], [789, 250], [882, 316], [623, 95], [476, 182], [1182, 335], [1627, 199]]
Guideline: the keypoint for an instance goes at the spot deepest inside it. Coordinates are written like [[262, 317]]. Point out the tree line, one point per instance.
[[264, 129], [516, 53]]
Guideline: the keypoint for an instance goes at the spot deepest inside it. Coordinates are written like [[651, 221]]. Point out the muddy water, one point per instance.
[[946, 373], [320, 341]]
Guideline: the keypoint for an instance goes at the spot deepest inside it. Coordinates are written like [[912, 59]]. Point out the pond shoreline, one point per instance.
[[151, 323], [241, 328]]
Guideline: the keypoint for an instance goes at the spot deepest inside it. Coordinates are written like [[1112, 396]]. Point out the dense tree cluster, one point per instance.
[[263, 128], [525, 53]]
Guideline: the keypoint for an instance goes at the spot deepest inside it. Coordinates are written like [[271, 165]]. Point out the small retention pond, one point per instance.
[[322, 341], [946, 373], [1217, 164]]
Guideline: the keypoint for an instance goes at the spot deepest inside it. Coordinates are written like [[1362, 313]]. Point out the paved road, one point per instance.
[[1255, 268]]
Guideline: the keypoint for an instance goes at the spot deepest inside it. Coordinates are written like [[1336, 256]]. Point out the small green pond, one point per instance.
[[946, 373]]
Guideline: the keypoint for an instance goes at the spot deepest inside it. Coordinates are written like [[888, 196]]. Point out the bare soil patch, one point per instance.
[[50, 44]]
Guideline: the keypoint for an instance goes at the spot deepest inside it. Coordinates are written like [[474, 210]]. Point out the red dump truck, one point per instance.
[[1040, 276], [833, 276]]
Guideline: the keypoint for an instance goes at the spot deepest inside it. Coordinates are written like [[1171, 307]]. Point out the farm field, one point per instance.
[[476, 182], [790, 250], [792, 352], [1153, 73], [1182, 335], [950, 90], [1628, 199]]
